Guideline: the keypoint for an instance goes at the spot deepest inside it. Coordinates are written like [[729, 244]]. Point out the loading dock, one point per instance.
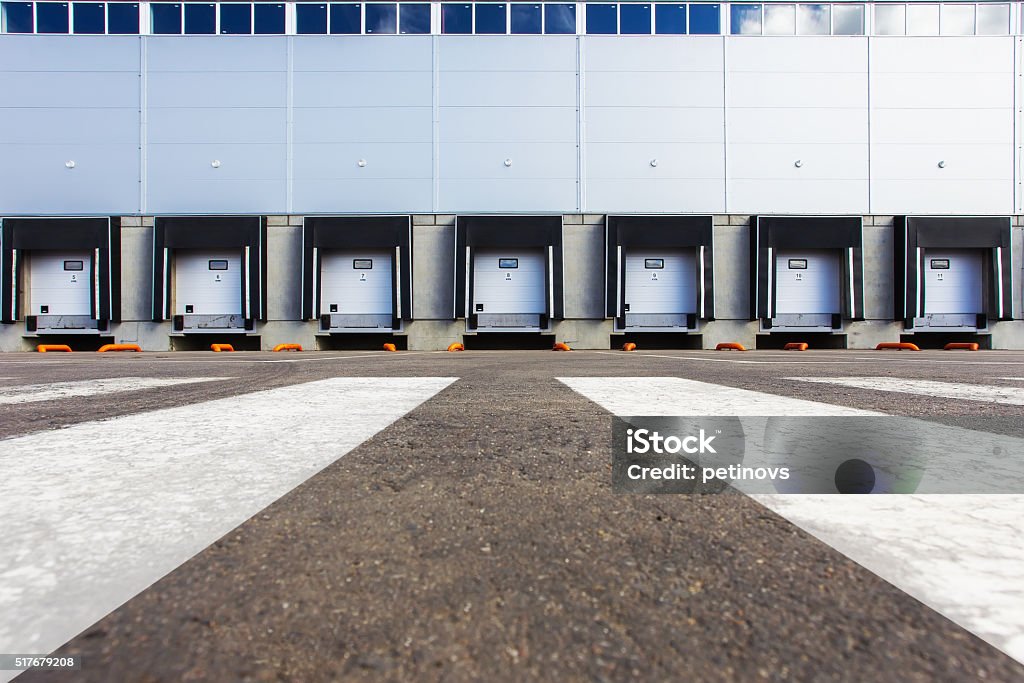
[[61, 274], [508, 272], [209, 273], [357, 273], [660, 274], [952, 274], [807, 273]]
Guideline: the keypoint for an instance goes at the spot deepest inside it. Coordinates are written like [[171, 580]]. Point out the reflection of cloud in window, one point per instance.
[[813, 20], [890, 20], [849, 20], [746, 19], [958, 20], [779, 20], [993, 20]]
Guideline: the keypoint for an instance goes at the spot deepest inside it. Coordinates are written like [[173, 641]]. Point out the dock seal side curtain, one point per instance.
[[913, 234], [354, 232], [102, 236], [770, 233], [245, 233], [659, 232], [472, 232]]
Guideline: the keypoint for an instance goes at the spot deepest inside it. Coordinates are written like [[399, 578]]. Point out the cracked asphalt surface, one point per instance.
[[477, 538]]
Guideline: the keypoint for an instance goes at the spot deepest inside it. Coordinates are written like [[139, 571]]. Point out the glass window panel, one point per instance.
[[745, 20], [559, 19], [890, 20], [813, 20], [958, 20], [670, 19], [780, 20], [922, 20], [635, 19], [310, 19], [490, 18], [123, 18], [235, 19], [89, 17], [166, 18], [993, 20], [456, 18], [381, 18], [18, 17], [200, 19], [602, 19], [848, 20], [51, 17], [413, 18], [346, 19], [705, 19], [526, 19], [268, 18]]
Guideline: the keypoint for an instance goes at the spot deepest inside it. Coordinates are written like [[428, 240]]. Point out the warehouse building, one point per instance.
[[676, 174]]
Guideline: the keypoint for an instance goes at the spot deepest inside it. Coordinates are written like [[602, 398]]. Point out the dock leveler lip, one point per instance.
[[915, 235], [100, 237], [770, 234], [247, 234], [649, 233], [524, 233], [357, 234]]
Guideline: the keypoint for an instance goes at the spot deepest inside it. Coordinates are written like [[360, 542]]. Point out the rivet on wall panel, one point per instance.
[[361, 163], [654, 163], [942, 164], [798, 163], [69, 163], [508, 162], [215, 163]]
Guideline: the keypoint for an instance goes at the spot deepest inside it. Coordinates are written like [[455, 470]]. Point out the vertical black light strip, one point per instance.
[[405, 243], [161, 286], [709, 280], [6, 275], [459, 308]]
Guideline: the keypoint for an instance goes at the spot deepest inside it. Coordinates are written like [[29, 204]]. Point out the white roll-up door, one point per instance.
[[207, 282], [953, 290], [509, 287], [660, 288], [356, 288], [807, 288], [60, 283]]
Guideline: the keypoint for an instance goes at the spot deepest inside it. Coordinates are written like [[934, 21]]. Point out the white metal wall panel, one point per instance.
[[957, 289], [350, 290], [363, 124], [216, 138], [653, 124], [494, 159], [69, 102], [942, 100], [671, 289], [209, 292], [814, 289], [64, 291], [509, 290], [797, 136]]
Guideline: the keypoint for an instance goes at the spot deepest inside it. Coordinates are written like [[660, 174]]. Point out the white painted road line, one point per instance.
[[927, 387], [959, 554], [30, 393], [94, 513]]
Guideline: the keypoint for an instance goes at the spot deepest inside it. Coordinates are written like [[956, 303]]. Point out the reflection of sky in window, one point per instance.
[[526, 18], [51, 17], [602, 19], [779, 20], [705, 20], [235, 19], [993, 20], [309, 19], [813, 20], [122, 17], [381, 18], [200, 19], [958, 20], [414, 18], [18, 17], [346, 19], [890, 20], [490, 18], [268, 18], [559, 18], [922, 20], [634, 19], [89, 17], [848, 20], [456, 18], [745, 19], [670, 19]]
